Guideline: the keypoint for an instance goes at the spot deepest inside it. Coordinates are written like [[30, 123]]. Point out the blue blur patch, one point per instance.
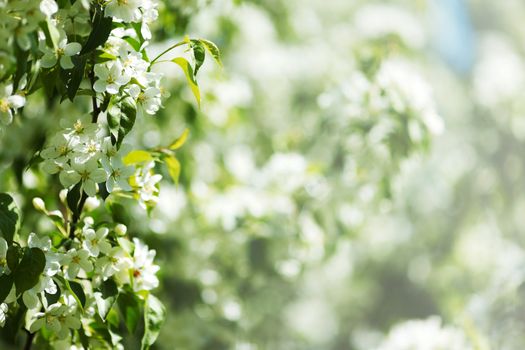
[[453, 34]]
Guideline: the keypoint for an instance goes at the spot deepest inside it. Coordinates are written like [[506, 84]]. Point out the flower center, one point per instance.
[[79, 127], [84, 175], [4, 105], [76, 259]]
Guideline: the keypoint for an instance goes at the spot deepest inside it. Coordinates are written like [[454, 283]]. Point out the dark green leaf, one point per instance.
[[9, 217], [106, 297], [76, 76], [99, 35], [6, 283], [127, 119], [13, 256], [78, 290], [129, 306], [154, 316], [29, 269], [52, 298], [199, 52], [212, 49], [73, 199]]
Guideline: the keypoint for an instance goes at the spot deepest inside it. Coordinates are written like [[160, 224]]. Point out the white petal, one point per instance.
[[16, 101], [48, 60], [66, 63], [72, 49]]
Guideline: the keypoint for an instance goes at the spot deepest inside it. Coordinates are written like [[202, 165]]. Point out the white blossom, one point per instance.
[[110, 77], [124, 10], [96, 242], [9, 102], [61, 54], [75, 260]]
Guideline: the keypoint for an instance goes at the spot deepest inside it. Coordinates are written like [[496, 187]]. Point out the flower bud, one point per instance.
[[39, 204], [121, 229], [63, 196]]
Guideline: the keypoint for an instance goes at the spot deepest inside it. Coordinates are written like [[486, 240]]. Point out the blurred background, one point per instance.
[[353, 179]]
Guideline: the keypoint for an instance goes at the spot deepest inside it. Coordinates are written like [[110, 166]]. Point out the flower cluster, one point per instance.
[[95, 257], [67, 280], [79, 154]]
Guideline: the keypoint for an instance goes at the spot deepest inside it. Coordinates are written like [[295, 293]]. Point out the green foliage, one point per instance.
[[9, 217]]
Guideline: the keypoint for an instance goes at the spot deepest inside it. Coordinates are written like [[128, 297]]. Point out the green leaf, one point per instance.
[[9, 217], [178, 143], [52, 298], [6, 283], [51, 33], [29, 269], [73, 199], [78, 290], [137, 156], [127, 119], [213, 50], [103, 56], [77, 74], [106, 297], [199, 52], [173, 165], [99, 35], [129, 306], [154, 317], [13, 257], [190, 77]]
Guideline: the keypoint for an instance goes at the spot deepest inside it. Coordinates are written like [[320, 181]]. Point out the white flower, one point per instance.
[[95, 242], [58, 319], [144, 270], [82, 128], [133, 64], [425, 334], [3, 312], [118, 174], [3, 255], [110, 77], [116, 260], [31, 297], [146, 182], [148, 100], [76, 260], [8, 103], [52, 258], [125, 10], [62, 53], [48, 7], [87, 151], [57, 154], [89, 173]]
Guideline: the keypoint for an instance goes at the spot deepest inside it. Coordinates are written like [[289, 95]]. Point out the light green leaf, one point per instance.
[[154, 317], [178, 143], [190, 77], [173, 165], [137, 156], [212, 49]]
